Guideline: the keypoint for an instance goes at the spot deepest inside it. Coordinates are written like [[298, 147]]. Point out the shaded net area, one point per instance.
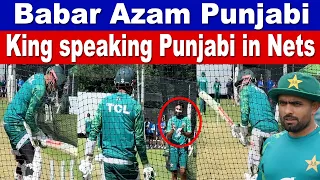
[[154, 87], [223, 148], [24, 98], [132, 128]]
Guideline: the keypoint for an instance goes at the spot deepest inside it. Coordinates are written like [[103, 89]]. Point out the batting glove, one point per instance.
[[90, 145], [148, 172], [250, 177], [178, 132], [40, 138], [235, 130], [244, 130], [86, 167], [243, 135]]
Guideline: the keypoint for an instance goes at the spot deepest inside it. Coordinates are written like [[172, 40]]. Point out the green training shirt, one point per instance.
[[288, 158], [119, 118]]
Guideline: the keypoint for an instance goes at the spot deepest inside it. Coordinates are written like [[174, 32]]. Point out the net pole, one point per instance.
[[138, 84], [285, 69], [142, 87], [11, 81]]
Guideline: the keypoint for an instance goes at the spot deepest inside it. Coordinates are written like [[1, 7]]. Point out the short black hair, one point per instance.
[[180, 103]]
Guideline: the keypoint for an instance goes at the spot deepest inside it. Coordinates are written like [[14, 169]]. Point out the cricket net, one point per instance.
[[53, 117], [216, 153], [155, 85], [222, 149]]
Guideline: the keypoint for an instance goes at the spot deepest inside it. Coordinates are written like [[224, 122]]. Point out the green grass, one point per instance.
[[3, 107], [220, 156]]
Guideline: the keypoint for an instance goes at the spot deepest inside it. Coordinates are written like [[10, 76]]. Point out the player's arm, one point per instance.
[[244, 106], [139, 132], [96, 124], [95, 129], [36, 100], [188, 132], [170, 129]]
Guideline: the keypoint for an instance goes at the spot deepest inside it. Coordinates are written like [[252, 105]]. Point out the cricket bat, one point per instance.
[[62, 146], [213, 104]]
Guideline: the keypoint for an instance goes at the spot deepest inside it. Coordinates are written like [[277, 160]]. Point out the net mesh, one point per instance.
[[155, 86], [220, 152], [51, 115]]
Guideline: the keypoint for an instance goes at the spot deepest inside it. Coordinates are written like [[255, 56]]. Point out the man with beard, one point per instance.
[[178, 132], [294, 153]]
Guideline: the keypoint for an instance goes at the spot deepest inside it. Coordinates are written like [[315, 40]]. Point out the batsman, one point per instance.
[[119, 119], [256, 111], [22, 109]]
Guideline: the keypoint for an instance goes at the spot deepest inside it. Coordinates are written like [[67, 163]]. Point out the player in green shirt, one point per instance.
[[202, 86], [255, 110], [88, 124], [216, 88], [23, 108], [120, 121], [294, 153], [178, 131]]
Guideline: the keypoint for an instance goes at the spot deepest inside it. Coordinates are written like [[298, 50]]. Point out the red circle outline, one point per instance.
[[160, 119]]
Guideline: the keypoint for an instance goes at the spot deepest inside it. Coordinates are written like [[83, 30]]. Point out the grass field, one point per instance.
[[8, 163], [220, 156]]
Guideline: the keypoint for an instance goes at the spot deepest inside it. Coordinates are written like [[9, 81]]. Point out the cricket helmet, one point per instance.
[[58, 74], [203, 74], [244, 77], [125, 76]]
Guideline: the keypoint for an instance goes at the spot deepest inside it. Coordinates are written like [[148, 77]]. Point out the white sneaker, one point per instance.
[[250, 177], [18, 176], [254, 177], [30, 177]]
